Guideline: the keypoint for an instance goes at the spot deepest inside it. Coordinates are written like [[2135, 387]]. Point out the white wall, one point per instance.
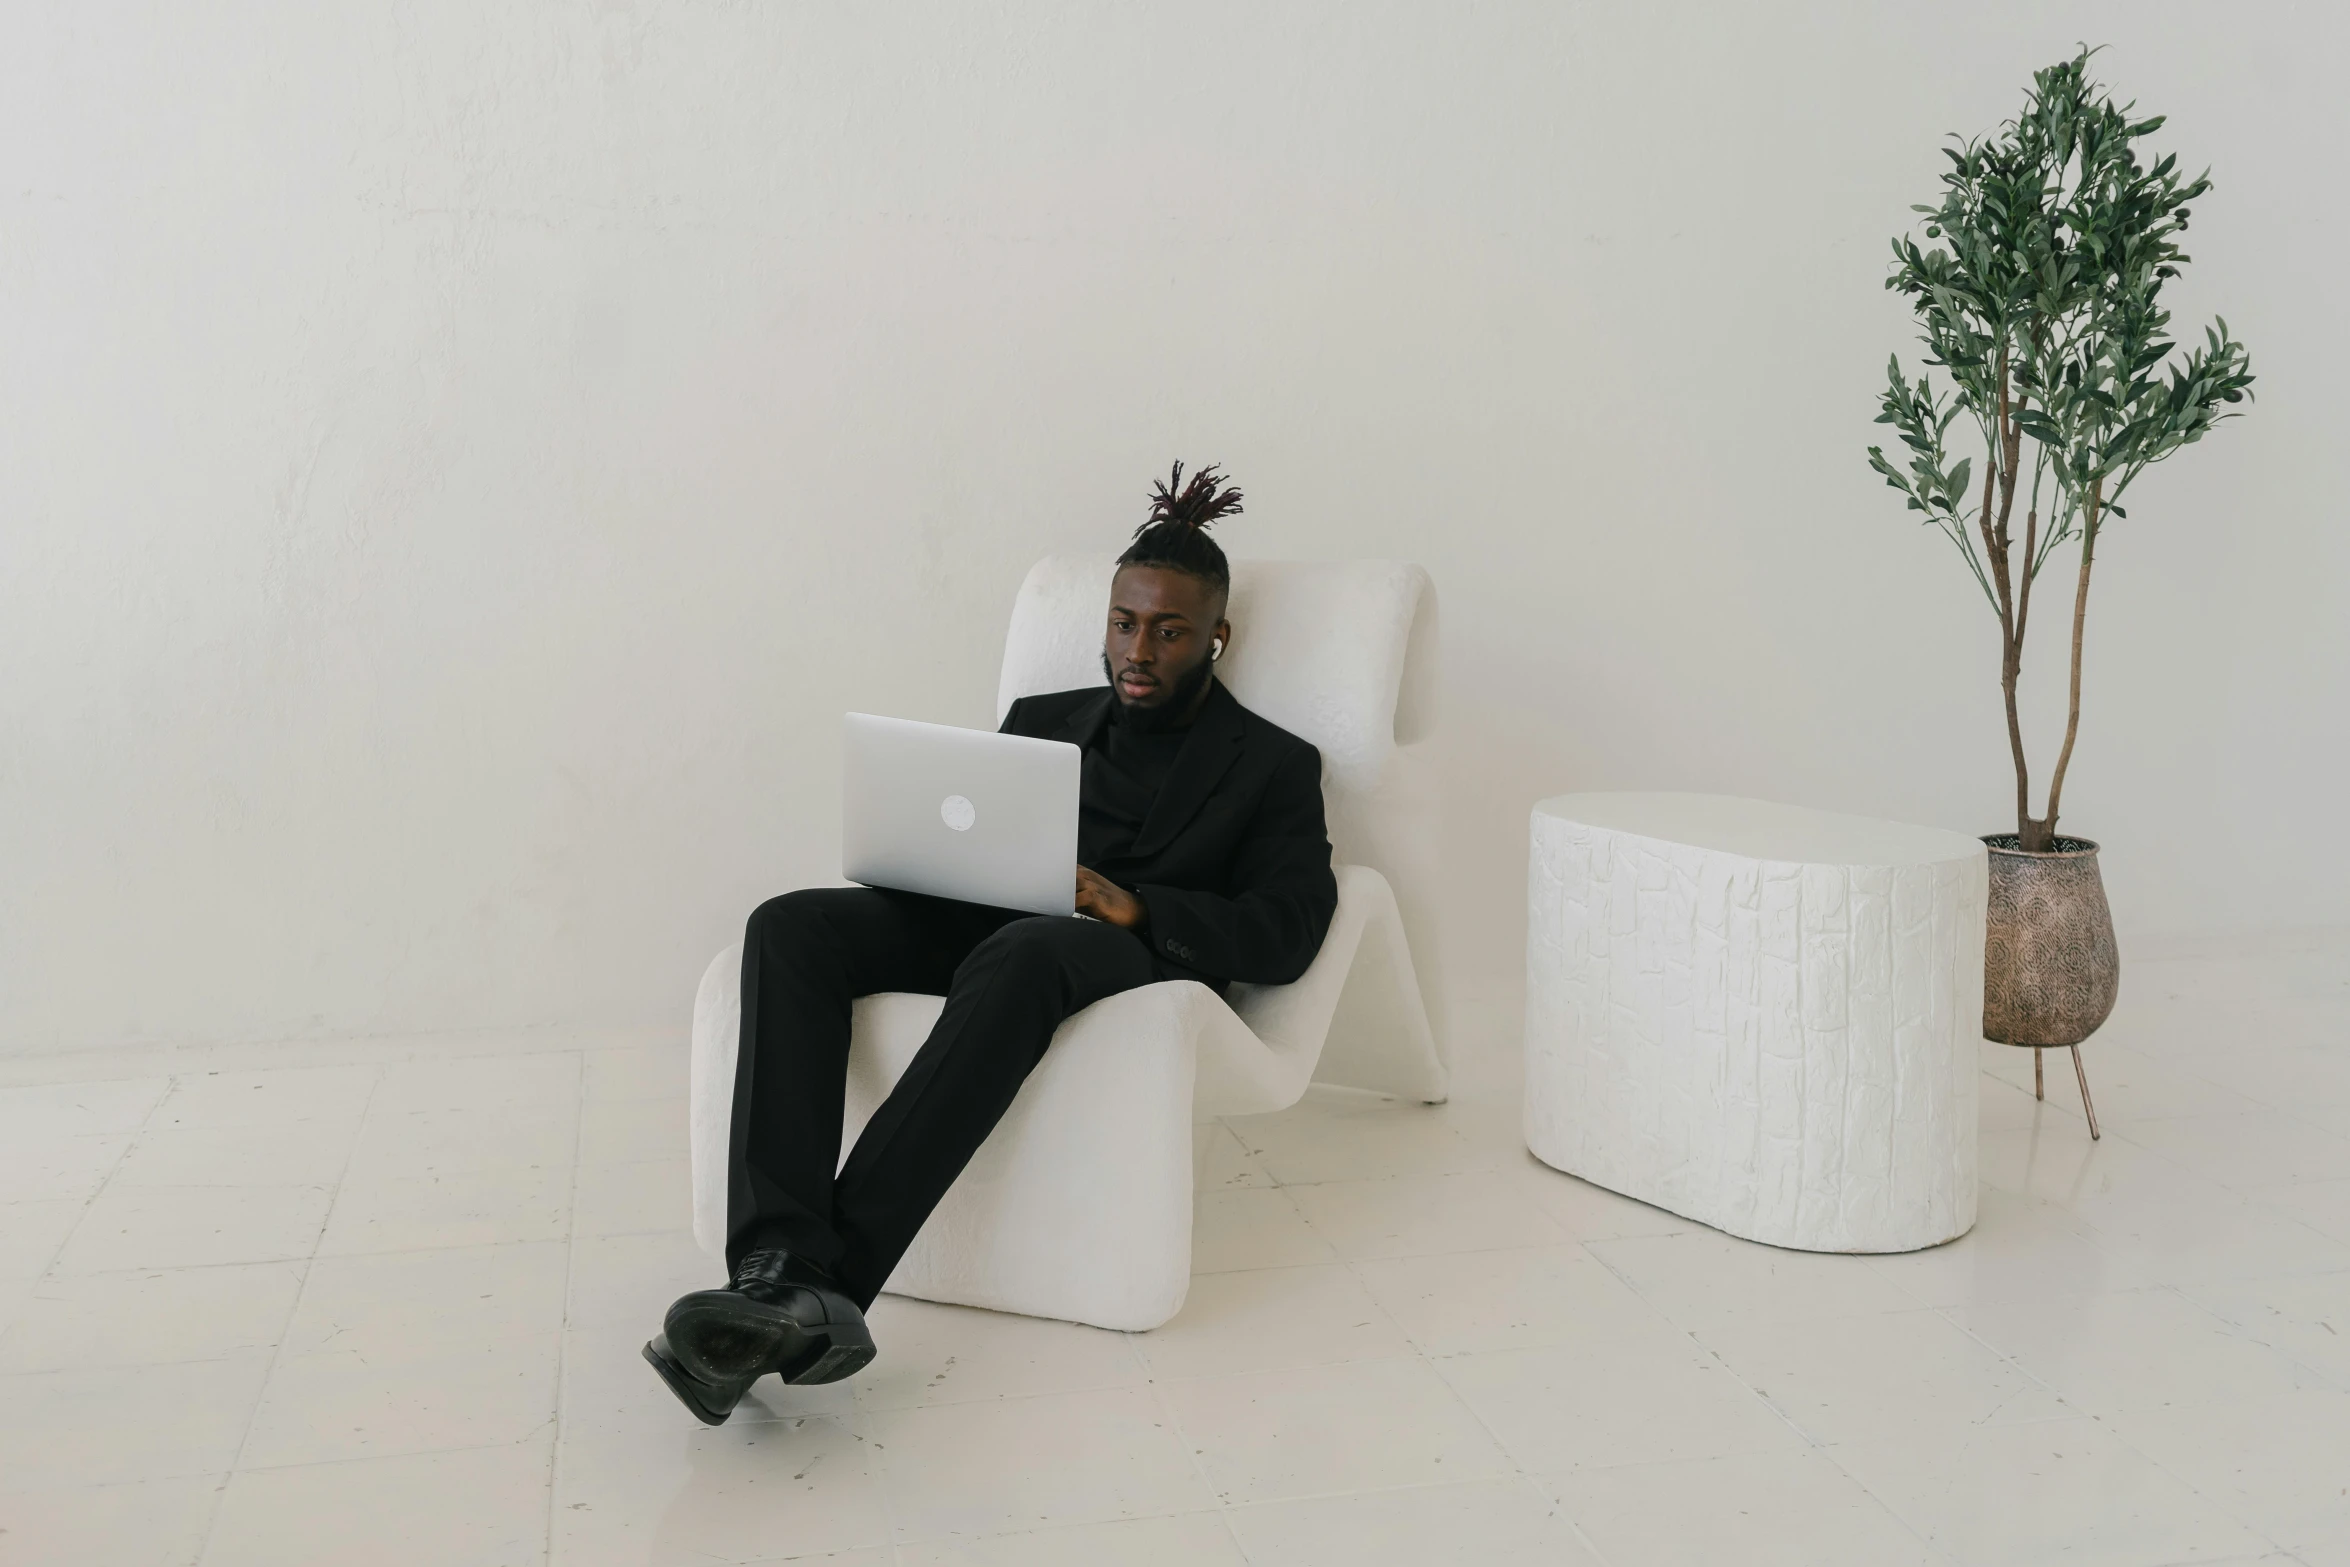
[[457, 461]]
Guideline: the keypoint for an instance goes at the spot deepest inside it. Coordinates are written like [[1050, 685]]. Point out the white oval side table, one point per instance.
[[1758, 1016]]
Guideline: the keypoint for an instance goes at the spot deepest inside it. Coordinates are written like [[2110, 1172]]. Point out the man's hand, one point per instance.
[[1107, 901]]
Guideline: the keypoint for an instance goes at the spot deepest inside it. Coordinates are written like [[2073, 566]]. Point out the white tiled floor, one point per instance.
[[381, 1301]]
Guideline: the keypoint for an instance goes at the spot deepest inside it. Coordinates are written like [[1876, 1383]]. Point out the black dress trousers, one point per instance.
[[1009, 981]]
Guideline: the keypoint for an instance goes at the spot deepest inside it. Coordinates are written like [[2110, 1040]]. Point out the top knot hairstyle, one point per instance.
[[1176, 533]]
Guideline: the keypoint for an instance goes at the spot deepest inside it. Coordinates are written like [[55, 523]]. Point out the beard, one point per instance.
[[1159, 717]]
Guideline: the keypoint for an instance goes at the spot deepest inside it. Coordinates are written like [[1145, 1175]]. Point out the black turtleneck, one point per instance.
[[1124, 770]]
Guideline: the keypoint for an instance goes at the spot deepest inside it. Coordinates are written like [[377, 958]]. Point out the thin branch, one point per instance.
[[2072, 722]]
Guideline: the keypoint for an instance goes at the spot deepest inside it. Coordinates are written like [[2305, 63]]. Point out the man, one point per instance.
[[1202, 854]]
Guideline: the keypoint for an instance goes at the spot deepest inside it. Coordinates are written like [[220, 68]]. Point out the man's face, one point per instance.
[[1162, 624]]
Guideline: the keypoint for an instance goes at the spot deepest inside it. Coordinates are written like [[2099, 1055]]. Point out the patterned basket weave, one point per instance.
[[2050, 968]]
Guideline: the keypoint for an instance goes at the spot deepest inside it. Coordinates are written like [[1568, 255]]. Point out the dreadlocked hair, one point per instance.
[[1175, 535]]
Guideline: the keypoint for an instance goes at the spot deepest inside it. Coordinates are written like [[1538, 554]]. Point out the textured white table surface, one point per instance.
[[1758, 1016]]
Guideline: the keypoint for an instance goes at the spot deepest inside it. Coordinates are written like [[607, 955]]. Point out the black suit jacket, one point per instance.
[[1233, 860]]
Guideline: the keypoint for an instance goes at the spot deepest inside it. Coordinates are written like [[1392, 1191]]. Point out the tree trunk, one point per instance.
[[2000, 466], [2090, 516]]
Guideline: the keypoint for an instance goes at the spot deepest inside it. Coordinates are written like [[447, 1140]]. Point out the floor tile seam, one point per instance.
[[414, 1251], [439, 1177], [1367, 1180], [48, 1266], [2069, 1112], [2072, 1410], [523, 1111], [2063, 1302], [1417, 1256], [1935, 1553], [1410, 1358], [10, 1488], [1066, 1526], [484, 1172], [1518, 1469], [618, 1164], [221, 1478], [1390, 1318], [1193, 1453], [72, 1066], [2106, 1426], [601, 1234], [1262, 1267], [120, 1063], [519, 1110], [225, 1186], [2094, 1236], [410, 1351], [2236, 1330], [137, 1365], [2338, 1381], [2013, 1364], [2290, 1112], [355, 1254], [2235, 1185], [2263, 1198], [1690, 1333], [563, 1329], [1522, 1476], [1700, 1346], [44, 1141], [1417, 1357], [2121, 1131], [1000, 1398], [146, 1117], [544, 1430], [1146, 1379], [1558, 1506], [378, 1458], [1224, 1517], [301, 1293]]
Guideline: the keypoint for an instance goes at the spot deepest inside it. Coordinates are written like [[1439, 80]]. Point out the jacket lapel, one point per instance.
[[1083, 726], [1213, 747]]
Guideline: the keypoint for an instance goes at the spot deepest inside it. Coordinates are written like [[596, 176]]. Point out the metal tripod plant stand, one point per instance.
[[2039, 1082]]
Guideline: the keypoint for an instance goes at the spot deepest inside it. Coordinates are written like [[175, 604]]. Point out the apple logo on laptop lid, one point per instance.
[[957, 813]]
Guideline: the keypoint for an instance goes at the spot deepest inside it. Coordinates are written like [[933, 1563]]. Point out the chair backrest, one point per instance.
[[1341, 653]]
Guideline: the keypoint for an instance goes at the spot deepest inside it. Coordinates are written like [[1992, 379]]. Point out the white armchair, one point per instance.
[[1078, 1205]]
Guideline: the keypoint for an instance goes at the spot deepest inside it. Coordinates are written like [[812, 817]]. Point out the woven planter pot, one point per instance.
[[2050, 971]]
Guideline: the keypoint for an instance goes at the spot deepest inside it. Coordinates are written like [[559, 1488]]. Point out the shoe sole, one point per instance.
[[687, 1388], [719, 1336], [832, 1362]]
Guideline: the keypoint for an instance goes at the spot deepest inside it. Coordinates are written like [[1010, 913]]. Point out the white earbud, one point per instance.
[[1216, 648]]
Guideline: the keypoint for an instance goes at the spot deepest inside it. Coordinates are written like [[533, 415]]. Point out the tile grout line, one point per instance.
[[277, 1349], [1517, 1468], [2082, 1412], [1191, 1451], [2251, 1333], [563, 1330], [124, 1063], [902, 1552], [1420, 1352], [130, 1145], [1820, 1449], [2121, 1130]]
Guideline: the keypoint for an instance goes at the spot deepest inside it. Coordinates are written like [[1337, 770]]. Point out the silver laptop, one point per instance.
[[960, 813]]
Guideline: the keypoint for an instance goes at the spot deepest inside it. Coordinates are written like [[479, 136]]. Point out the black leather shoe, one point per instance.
[[710, 1403], [779, 1313]]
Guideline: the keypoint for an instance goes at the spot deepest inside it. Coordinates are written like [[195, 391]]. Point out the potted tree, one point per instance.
[[2038, 291]]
